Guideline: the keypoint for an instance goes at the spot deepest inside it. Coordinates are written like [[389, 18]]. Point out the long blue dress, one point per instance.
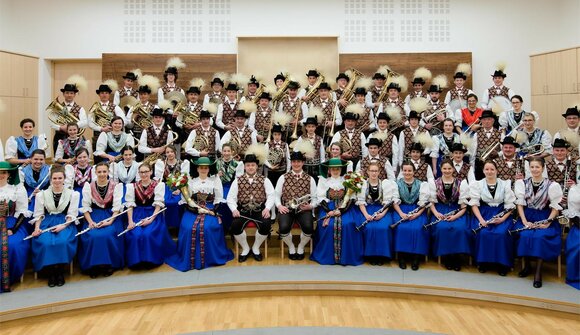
[[410, 236], [573, 257], [101, 246], [339, 242], [377, 235], [31, 180], [201, 241]]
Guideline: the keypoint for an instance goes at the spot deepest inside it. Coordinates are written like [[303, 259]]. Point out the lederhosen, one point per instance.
[[295, 186], [59, 135], [244, 142], [251, 202], [482, 144], [312, 165], [351, 146], [111, 112], [274, 175], [263, 121], [365, 162]]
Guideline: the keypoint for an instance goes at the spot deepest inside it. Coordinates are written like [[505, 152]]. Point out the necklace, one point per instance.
[[537, 183]]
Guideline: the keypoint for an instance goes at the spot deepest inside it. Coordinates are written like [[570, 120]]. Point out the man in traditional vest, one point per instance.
[[292, 105], [341, 81], [423, 170], [104, 92], [312, 164], [209, 137], [312, 76], [420, 77], [227, 109], [509, 166], [253, 85], [241, 136], [69, 92], [351, 140], [373, 95], [385, 171], [330, 110], [251, 199], [463, 170], [216, 95], [408, 135], [486, 138], [193, 106], [155, 138], [456, 97], [561, 169], [127, 90], [293, 185], [497, 90], [261, 120], [572, 118], [435, 104]]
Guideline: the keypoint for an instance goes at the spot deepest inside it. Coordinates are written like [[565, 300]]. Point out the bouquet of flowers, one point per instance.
[[177, 180], [353, 183]]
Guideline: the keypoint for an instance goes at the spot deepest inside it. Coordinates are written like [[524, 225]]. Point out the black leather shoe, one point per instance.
[[502, 271], [525, 272], [481, 269], [457, 267], [51, 281], [242, 258], [299, 257], [415, 266], [292, 256], [448, 266], [537, 283], [402, 264], [258, 257], [108, 272], [60, 280]]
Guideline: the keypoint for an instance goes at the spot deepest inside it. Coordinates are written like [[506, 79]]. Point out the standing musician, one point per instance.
[[409, 134], [509, 166], [261, 120], [389, 143], [127, 90], [394, 89], [538, 199], [278, 162], [253, 84], [279, 80], [201, 242], [342, 81], [411, 239], [352, 140], [463, 170], [227, 109], [240, 135], [194, 106], [170, 76], [110, 145], [536, 136], [442, 146], [67, 147], [56, 208], [312, 77], [14, 251], [385, 168], [468, 117], [443, 111], [312, 164], [513, 118], [489, 197], [377, 234], [19, 149], [372, 97], [452, 236], [336, 239], [419, 79], [457, 96], [330, 110], [485, 138], [155, 138], [163, 168], [251, 199], [573, 240], [367, 123], [423, 171], [291, 186], [561, 169], [292, 105], [101, 252], [69, 92], [105, 107], [216, 95], [498, 89], [204, 140], [146, 85]]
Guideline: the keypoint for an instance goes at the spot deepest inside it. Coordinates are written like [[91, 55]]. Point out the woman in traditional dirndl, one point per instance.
[[164, 168]]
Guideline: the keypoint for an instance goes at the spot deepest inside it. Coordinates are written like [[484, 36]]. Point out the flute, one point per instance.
[[535, 225], [53, 227], [497, 216], [38, 187], [141, 221], [382, 209], [445, 216], [98, 225], [415, 211]]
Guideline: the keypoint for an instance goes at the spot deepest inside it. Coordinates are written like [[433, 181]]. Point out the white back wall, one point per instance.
[[492, 30]]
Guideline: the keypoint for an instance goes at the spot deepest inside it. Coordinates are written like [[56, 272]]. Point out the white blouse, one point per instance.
[[44, 200], [158, 199], [12, 146], [69, 173], [324, 184], [503, 194], [88, 199], [59, 154], [463, 192], [160, 168], [423, 194], [103, 141], [121, 175], [388, 187], [573, 202], [554, 194], [210, 185], [18, 195]]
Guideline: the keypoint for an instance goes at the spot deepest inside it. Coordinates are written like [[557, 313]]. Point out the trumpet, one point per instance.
[[537, 224], [59, 114], [101, 117], [149, 160], [295, 203], [431, 117]]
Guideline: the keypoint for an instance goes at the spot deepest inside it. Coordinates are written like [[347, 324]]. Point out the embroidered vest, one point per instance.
[[421, 94], [317, 144], [353, 146], [483, 143], [375, 93], [503, 92], [338, 93], [508, 173], [364, 120], [288, 108], [463, 172], [456, 94], [263, 122], [229, 112], [166, 89], [210, 138], [555, 175], [421, 172], [154, 140], [251, 192], [326, 111], [408, 135], [295, 186], [123, 93], [386, 149], [400, 104], [245, 141], [364, 164]]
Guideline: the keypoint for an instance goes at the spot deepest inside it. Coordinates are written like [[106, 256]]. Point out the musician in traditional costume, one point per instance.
[[435, 123], [227, 109], [241, 135], [261, 120], [468, 117], [193, 108], [279, 80], [129, 80], [69, 92], [55, 209], [385, 168], [216, 95], [456, 98], [101, 252], [335, 151], [126, 171], [20, 148], [352, 140], [342, 81], [110, 145], [512, 118], [204, 141], [561, 168], [367, 123], [171, 165], [14, 213], [228, 169], [420, 76], [312, 164], [312, 77], [492, 202], [572, 128], [67, 147], [330, 111], [149, 244], [452, 236], [538, 199], [170, 76], [423, 171], [155, 138], [35, 176], [485, 142], [377, 234], [373, 95], [409, 134], [572, 249], [278, 162], [106, 109], [498, 90], [295, 202], [291, 104], [395, 87], [147, 84], [389, 143], [251, 199], [463, 170], [336, 240], [536, 137], [201, 243], [509, 165], [442, 146], [253, 84], [80, 172], [409, 201]]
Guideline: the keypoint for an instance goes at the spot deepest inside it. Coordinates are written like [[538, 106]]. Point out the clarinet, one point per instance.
[[497, 216], [565, 188], [415, 211], [445, 216], [535, 225], [382, 209]]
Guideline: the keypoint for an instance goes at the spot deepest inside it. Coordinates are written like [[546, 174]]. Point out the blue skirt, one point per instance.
[[542, 243], [174, 210], [101, 246], [377, 235], [493, 244], [225, 211], [573, 256], [215, 251], [29, 191], [151, 243], [50, 248], [451, 237], [18, 250], [410, 236], [349, 250]]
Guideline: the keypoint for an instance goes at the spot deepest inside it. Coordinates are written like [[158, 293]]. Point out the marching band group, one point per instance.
[[370, 176]]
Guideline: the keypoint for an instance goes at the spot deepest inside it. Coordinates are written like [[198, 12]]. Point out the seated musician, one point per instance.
[[155, 138], [386, 170], [110, 145], [19, 149], [67, 147], [204, 140], [468, 117]]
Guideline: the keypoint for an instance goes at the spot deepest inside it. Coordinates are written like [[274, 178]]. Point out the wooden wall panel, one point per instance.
[[407, 63], [204, 66]]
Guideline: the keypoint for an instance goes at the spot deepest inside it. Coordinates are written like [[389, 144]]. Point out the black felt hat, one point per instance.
[[313, 73], [572, 111], [342, 75], [104, 88], [130, 75], [69, 88]]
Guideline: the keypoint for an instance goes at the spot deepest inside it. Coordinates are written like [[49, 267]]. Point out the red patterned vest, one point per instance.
[[263, 121], [282, 148], [166, 89], [199, 131], [457, 94], [338, 93], [326, 111], [251, 192], [317, 144], [483, 143], [244, 141], [228, 112], [295, 186], [554, 173], [408, 135], [123, 93], [463, 172], [375, 93], [503, 92], [364, 164], [421, 172], [154, 140], [364, 120], [352, 146]]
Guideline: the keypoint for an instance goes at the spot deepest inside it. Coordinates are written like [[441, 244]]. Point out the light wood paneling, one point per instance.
[[554, 73], [578, 70], [5, 66], [569, 71], [538, 72]]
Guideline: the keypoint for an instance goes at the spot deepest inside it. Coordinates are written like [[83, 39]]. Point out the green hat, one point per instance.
[[333, 163], [14, 178], [204, 161]]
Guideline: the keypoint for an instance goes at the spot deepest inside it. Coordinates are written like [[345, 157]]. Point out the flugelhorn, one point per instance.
[[297, 202], [532, 150], [101, 117]]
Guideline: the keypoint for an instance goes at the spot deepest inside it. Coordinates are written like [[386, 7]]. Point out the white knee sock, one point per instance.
[[242, 240], [258, 242], [288, 240], [303, 242]]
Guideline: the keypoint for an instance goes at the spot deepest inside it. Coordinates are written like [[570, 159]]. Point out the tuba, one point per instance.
[[100, 116], [384, 91], [59, 114], [259, 92], [141, 116], [280, 92], [348, 93]]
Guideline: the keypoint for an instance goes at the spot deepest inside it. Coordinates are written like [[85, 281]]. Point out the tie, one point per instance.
[[561, 164]]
